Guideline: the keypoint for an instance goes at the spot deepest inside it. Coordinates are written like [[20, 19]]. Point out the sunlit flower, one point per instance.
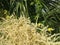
[[40, 25], [50, 29]]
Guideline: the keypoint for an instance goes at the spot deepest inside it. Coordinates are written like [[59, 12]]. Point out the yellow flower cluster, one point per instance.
[[40, 25]]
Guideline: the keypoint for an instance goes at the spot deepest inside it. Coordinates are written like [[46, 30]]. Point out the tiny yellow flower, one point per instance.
[[39, 24], [50, 29]]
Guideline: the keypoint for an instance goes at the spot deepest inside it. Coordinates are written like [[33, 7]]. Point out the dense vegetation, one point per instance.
[[44, 11], [41, 12]]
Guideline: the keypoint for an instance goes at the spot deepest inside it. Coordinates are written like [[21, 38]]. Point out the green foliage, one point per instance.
[[19, 7]]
